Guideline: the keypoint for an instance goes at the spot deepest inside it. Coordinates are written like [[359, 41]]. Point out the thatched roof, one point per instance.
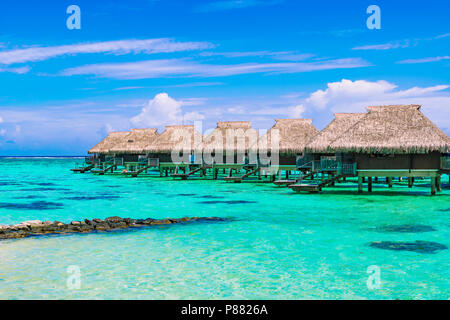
[[182, 137], [230, 136], [135, 141], [292, 135], [393, 129], [320, 143], [106, 144]]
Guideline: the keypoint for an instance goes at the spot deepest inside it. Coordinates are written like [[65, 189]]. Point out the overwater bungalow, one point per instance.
[[392, 141], [231, 146], [131, 147], [395, 141], [282, 146], [103, 159], [175, 149], [318, 154]]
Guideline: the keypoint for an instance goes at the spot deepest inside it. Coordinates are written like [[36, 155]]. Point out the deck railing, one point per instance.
[[348, 169], [153, 162], [445, 163], [118, 161]]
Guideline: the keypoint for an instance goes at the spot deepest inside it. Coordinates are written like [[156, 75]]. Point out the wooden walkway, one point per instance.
[[184, 176], [314, 187], [134, 174], [83, 169], [240, 178]]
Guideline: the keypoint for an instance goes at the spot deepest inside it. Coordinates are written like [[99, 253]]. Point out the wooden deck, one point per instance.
[[240, 178], [314, 187], [83, 169]]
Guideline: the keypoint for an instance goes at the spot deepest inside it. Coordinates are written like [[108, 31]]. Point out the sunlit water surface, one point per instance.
[[276, 245]]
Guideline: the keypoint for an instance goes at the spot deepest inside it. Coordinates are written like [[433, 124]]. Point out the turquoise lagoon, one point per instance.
[[276, 244]]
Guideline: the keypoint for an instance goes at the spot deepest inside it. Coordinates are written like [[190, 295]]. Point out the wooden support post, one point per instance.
[[287, 174], [438, 183], [166, 173], [360, 184], [259, 174], [389, 181], [369, 187], [410, 182], [433, 186]]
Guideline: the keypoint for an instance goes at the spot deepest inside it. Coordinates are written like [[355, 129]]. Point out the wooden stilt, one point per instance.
[[369, 186], [287, 174], [376, 179], [410, 182], [259, 174], [360, 184], [433, 186], [389, 181], [438, 184]]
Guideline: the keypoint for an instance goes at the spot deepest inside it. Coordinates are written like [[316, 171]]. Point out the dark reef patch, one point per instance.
[[31, 196], [406, 228], [42, 184], [210, 197], [417, 246], [36, 205], [99, 197], [44, 189], [227, 202]]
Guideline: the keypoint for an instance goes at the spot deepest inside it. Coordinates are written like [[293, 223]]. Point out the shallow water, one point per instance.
[[277, 244]]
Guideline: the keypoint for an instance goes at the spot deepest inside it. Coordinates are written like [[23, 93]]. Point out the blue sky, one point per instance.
[[148, 63]]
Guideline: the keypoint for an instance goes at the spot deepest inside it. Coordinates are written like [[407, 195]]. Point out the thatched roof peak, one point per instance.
[[292, 135], [320, 143], [135, 141], [293, 121], [175, 137], [145, 130], [398, 107], [230, 136], [234, 124], [179, 126], [393, 129], [106, 144]]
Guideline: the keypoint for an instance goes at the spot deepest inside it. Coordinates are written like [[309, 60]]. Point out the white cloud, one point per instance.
[[297, 111], [234, 4], [183, 67], [384, 46], [1, 119], [20, 70], [355, 96], [147, 46], [163, 110], [424, 60], [278, 55]]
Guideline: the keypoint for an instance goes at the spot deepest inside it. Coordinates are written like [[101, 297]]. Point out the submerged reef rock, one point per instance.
[[37, 227], [406, 228], [416, 246]]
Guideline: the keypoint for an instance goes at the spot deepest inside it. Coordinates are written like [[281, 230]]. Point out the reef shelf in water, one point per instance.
[[37, 227]]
